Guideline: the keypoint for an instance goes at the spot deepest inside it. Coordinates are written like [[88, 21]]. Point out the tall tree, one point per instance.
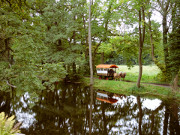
[[161, 66], [25, 33], [164, 7], [164, 10], [141, 39], [170, 16], [90, 48], [174, 43]]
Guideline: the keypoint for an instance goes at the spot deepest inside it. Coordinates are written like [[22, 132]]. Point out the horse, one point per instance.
[[123, 75]]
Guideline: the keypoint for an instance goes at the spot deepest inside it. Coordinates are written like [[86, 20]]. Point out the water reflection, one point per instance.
[[67, 110], [91, 105]]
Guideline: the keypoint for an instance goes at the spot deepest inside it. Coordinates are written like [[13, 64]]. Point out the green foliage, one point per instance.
[[6, 125], [51, 73], [107, 48], [125, 45], [28, 72], [174, 40], [24, 51], [65, 33], [161, 77]]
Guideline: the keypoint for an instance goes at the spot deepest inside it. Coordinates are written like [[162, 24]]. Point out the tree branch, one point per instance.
[[143, 17], [157, 10], [160, 4], [11, 85], [167, 5]]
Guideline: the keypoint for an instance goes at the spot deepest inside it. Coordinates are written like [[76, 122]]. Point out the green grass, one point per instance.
[[149, 73]]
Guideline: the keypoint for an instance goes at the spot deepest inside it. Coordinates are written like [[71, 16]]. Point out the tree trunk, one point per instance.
[[175, 83], [74, 68], [86, 40], [90, 48], [8, 50], [164, 7], [165, 30], [91, 67], [102, 58], [141, 40]]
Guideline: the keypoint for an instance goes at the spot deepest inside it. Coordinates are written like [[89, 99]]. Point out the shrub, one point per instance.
[[6, 125]]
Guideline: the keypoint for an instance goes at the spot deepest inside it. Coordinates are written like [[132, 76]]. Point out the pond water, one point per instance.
[[74, 109]]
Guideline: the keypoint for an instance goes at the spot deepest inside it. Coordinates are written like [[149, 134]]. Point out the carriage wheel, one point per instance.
[[100, 77], [107, 78]]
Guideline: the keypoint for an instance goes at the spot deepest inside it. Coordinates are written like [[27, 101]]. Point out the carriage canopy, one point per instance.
[[107, 66]]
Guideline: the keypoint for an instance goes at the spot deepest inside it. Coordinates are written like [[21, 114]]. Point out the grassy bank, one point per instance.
[[129, 88]]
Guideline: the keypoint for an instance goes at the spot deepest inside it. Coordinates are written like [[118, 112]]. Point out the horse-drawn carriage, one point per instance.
[[108, 71]]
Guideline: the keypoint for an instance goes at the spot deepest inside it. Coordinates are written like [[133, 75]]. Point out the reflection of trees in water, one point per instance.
[[5, 101], [171, 120], [66, 110], [118, 117], [62, 111], [13, 104]]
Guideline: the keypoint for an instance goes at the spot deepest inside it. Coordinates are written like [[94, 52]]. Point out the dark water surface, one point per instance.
[[66, 110]]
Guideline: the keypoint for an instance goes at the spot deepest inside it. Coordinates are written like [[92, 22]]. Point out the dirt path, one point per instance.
[[156, 84]]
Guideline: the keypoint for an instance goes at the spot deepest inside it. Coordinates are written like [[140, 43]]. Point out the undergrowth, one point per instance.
[[7, 125]]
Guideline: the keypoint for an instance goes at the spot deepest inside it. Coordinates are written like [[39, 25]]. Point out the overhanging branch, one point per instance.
[[11, 85]]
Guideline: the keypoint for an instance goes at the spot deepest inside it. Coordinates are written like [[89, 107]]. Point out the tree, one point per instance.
[[165, 6], [23, 50], [141, 40], [170, 66], [66, 36], [161, 66], [174, 44], [90, 48]]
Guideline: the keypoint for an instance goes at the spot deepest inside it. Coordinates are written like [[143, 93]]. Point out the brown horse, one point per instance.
[[123, 75]]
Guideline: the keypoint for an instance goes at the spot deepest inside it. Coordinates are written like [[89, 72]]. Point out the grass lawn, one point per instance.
[[149, 73]]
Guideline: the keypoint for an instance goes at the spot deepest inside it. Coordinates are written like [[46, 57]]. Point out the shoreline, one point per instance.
[[163, 92]]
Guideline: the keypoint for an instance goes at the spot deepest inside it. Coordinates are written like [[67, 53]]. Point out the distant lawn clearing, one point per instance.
[[149, 73]]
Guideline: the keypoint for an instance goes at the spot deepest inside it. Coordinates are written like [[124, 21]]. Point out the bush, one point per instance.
[[6, 125]]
